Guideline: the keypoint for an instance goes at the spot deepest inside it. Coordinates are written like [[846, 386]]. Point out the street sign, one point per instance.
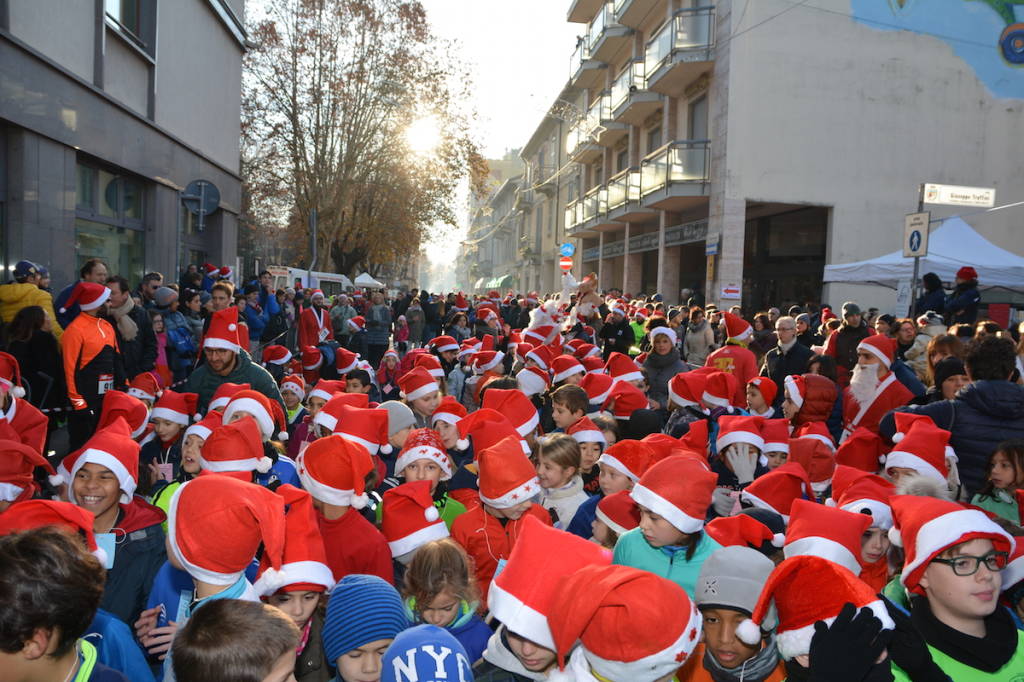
[[565, 262], [711, 247], [915, 235], [955, 195], [568, 249], [731, 291]]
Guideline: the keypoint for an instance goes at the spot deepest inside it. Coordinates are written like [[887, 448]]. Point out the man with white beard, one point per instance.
[[873, 389]]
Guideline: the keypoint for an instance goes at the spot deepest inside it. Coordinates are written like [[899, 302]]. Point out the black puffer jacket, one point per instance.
[[982, 415]]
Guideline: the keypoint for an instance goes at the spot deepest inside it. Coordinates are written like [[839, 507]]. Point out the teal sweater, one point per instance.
[[633, 550]]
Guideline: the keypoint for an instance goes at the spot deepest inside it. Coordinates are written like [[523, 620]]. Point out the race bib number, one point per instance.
[[166, 470], [323, 335], [105, 383]]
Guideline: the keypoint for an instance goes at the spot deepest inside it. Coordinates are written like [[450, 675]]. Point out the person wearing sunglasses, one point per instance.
[[953, 573]]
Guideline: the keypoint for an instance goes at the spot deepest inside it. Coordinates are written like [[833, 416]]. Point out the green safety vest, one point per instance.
[[87, 653], [1013, 671]]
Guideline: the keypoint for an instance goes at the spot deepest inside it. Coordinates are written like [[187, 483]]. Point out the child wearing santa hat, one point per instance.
[[421, 393], [592, 442], [622, 464], [293, 392], [617, 514], [191, 459], [673, 496], [761, 392], [160, 457], [424, 458], [558, 466], [439, 589], [270, 417]]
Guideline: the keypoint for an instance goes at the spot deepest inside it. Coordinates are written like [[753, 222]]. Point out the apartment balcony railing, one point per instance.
[[629, 81], [573, 215], [605, 35], [676, 175], [681, 50], [584, 71], [595, 203], [631, 101], [624, 187]]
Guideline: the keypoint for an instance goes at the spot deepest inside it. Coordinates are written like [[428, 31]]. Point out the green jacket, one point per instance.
[[633, 550], [1001, 503], [205, 382], [1013, 671]]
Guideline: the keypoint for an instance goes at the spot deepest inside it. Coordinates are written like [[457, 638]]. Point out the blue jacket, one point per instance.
[[283, 470], [138, 555], [116, 647], [472, 634], [930, 300], [981, 415], [962, 304], [257, 320], [378, 325], [634, 550], [582, 522]]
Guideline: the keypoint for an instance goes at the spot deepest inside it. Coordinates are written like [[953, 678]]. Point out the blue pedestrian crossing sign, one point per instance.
[[568, 249], [915, 235]]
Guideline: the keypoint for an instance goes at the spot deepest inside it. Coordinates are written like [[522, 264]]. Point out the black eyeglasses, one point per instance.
[[968, 565]]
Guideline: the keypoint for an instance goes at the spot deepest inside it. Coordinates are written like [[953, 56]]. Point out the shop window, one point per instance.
[[121, 248]]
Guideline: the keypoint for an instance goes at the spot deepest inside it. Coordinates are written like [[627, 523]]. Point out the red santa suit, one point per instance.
[[314, 326], [29, 423], [889, 394], [739, 362]]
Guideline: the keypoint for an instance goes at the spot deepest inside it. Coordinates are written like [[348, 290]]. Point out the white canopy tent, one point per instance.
[[951, 246], [366, 280]]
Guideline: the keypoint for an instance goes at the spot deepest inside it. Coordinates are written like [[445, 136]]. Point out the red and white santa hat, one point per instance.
[[687, 388], [586, 431], [617, 306], [719, 389], [539, 335], [443, 344], [225, 271], [542, 356], [624, 399], [604, 607], [532, 380], [334, 471], [31, 514], [739, 429], [88, 296], [824, 531], [796, 389], [216, 524], [507, 478], [111, 447], [776, 435], [262, 409], [586, 350], [326, 389], [17, 466], [235, 448], [304, 561], [632, 458], [223, 332], [766, 387], [431, 364], [778, 489], [815, 431], [737, 328], [816, 458], [487, 428], [449, 411], [367, 427], [593, 364], [679, 490], [410, 519], [346, 361], [923, 448], [131, 409], [863, 449], [622, 368], [882, 347], [640, 314], [10, 375], [205, 426], [742, 530], [312, 358], [564, 366], [1014, 571], [806, 589], [516, 407], [927, 526], [425, 444], [179, 408], [619, 512], [417, 383], [859, 492], [276, 355], [522, 598], [294, 383], [357, 323], [144, 386], [697, 438], [390, 353], [598, 387], [460, 303]]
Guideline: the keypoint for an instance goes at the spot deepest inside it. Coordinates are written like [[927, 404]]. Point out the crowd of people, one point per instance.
[[204, 481]]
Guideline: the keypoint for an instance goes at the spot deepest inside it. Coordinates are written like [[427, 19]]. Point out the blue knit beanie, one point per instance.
[[361, 609], [425, 652]]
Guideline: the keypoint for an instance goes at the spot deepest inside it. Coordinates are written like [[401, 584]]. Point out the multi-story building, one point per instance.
[[738, 147], [108, 110], [491, 248]]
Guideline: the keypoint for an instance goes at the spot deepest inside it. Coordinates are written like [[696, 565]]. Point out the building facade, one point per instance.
[[738, 147], [108, 110]]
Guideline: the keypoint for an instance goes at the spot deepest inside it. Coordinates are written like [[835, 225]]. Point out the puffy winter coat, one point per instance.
[[14, 296], [819, 401], [982, 415], [660, 370], [139, 553]]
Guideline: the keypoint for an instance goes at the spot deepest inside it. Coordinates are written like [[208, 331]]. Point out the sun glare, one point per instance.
[[423, 135]]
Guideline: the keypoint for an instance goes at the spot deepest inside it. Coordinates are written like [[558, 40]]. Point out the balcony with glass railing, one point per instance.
[[675, 172], [585, 72], [630, 100], [573, 216], [681, 50], [623, 187], [605, 36]]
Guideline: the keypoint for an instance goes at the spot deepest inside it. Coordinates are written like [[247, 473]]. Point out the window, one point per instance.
[[653, 139], [134, 21], [127, 13], [109, 211], [698, 123], [621, 160], [121, 248]]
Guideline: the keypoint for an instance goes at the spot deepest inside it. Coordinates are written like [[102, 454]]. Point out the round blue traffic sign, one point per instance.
[[568, 249], [915, 240]]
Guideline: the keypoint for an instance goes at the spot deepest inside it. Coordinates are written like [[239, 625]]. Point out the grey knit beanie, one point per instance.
[[399, 416], [165, 296], [732, 578]]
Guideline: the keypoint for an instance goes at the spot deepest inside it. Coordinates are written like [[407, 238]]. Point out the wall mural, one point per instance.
[[987, 34]]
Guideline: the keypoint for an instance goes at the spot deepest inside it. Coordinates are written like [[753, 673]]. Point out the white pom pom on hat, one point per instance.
[[430, 514], [18, 392], [462, 444], [895, 537], [360, 501], [232, 327], [748, 632], [264, 464], [778, 540], [282, 435]]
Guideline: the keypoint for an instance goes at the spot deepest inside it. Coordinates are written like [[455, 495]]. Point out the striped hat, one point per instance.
[[361, 609]]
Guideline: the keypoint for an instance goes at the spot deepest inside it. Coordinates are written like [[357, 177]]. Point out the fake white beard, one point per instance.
[[863, 383]]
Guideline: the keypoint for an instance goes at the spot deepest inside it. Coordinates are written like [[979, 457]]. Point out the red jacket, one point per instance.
[[28, 422], [819, 401], [739, 362], [314, 327], [354, 546], [890, 395], [486, 540]]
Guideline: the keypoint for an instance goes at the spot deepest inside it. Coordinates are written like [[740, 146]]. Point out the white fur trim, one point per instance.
[[198, 430], [413, 541], [141, 430], [194, 570], [715, 400], [908, 460], [439, 458], [881, 513], [797, 642], [312, 572], [825, 548], [446, 417], [678, 399], [170, 415], [444, 348], [656, 665], [614, 463], [761, 504], [218, 403], [9, 492], [283, 361], [870, 348], [328, 421], [140, 394], [220, 466], [523, 492], [94, 456], [590, 436], [665, 331], [311, 368], [945, 531], [565, 374], [683, 522], [253, 407], [821, 437], [325, 493], [748, 437], [346, 370], [536, 358], [425, 389], [1013, 573], [319, 393], [214, 342], [518, 617], [529, 425], [499, 357], [370, 446], [776, 447], [630, 376], [100, 300], [794, 393], [606, 520]]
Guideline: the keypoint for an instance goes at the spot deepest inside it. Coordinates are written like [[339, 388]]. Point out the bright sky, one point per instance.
[[518, 52]]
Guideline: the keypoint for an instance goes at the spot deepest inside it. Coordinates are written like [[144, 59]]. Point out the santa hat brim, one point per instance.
[[683, 522], [413, 541], [654, 666], [519, 617], [797, 642]]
